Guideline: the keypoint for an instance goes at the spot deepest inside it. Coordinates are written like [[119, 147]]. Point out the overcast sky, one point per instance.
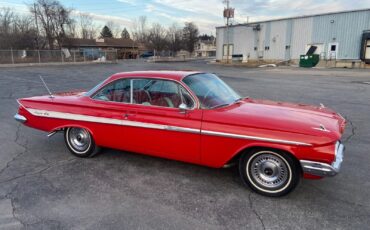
[[207, 14]]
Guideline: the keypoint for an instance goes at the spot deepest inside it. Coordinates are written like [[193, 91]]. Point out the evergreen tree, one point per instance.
[[125, 34], [106, 32]]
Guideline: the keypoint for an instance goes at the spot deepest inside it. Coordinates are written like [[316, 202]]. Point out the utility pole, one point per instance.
[[37, 27], [228, 13]]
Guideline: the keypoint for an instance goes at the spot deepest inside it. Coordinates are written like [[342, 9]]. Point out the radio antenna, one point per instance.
[[47, 88]]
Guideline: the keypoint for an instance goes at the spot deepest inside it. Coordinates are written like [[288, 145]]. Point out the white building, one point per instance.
[[341, 36], [205, 48]]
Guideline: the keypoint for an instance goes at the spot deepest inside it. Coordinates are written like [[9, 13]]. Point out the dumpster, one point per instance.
[[309, 61]]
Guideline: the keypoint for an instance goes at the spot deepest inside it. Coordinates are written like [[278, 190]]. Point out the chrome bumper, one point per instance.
[[20, 118], [323, 169]]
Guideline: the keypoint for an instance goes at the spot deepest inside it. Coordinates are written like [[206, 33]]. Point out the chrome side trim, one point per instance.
[[20, 118], [20, 104], [71, 116], [323, 169], [222, 134], [78, 117]]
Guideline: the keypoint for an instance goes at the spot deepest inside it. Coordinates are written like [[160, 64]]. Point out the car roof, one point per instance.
[[167, 74]]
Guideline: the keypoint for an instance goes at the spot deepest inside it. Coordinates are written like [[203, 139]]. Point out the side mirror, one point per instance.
[[183, 108]]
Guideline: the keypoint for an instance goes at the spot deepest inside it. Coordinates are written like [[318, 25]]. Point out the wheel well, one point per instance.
[[235, 159], [65, 127]]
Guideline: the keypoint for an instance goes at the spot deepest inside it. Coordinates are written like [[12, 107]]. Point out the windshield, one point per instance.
[[211, 91], [92, 91]]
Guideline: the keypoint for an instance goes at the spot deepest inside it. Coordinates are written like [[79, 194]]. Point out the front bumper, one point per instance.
[[323, 169], [20, 118]]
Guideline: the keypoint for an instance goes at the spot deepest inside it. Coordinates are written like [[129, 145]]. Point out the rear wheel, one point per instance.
[[269, 172], [80, 142]]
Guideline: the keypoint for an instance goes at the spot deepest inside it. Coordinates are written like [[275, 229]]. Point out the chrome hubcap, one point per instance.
[[269, 170], [79, 139]]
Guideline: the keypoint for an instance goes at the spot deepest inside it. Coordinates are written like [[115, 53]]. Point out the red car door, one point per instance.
[[156, 126], [108, 106]]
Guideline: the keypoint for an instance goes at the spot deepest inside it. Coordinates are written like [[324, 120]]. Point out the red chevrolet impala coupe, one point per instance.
[[195, 117]]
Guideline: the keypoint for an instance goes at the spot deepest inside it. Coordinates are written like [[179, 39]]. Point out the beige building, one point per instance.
[[205, 48]]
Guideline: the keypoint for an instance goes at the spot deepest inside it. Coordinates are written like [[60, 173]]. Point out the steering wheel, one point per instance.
[[148, 94]]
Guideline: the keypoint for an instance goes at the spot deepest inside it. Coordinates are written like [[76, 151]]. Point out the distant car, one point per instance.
[[146, 55], [195, 117]]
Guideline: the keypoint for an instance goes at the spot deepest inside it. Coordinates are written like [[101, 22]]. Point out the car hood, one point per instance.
[[300, 119]]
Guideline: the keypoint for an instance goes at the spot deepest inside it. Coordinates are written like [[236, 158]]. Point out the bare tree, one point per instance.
[[174, 37], [86, 25], [157, 37], [71, 29], [24, 32], [54, 18], [190, 35], [6, 20], [139, 29], [16, 31]]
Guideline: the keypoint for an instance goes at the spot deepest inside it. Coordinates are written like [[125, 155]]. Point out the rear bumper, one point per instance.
[[20, 118], [323, 169]]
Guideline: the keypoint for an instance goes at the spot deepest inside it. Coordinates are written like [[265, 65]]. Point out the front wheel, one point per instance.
[[80, 142], [269, 172]]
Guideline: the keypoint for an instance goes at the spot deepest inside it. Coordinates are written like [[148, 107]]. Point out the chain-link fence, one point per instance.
[[57, 56]]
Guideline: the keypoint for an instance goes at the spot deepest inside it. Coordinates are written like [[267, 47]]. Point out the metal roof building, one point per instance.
[[341, 36]]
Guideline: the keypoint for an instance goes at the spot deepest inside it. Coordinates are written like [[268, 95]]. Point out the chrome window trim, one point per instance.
[[131, 91], [131, 78], [199, 105]]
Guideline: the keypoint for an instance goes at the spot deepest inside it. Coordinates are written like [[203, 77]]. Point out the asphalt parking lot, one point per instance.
[[42, 186]]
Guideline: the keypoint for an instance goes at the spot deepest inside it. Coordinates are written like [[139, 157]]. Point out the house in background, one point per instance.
[[125, 48], [205, 47]]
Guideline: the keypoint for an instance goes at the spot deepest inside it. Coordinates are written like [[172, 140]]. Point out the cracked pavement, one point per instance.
[[42, 186]]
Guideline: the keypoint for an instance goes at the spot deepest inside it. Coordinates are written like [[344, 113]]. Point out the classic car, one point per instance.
[[195, 117]]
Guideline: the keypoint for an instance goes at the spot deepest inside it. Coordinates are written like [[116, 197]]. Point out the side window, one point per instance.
[[163, 93], [186, 98], [168, 87], [154, 92], [118, 91]]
